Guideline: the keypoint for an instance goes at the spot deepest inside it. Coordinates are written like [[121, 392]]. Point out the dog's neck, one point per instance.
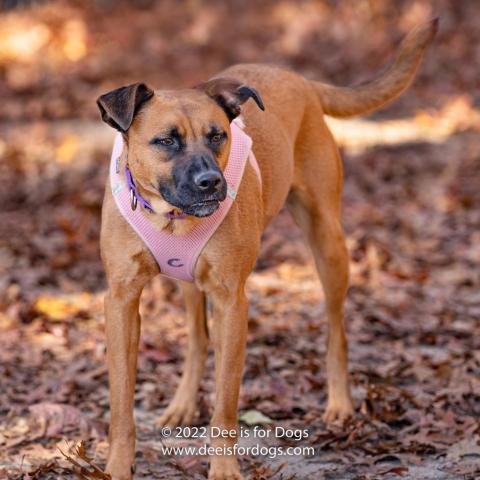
[[165, 216], [174, 226]]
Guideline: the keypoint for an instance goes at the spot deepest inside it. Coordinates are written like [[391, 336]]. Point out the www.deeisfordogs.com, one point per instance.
[[239, 450]]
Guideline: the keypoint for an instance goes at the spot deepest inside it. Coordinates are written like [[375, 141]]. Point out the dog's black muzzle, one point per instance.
[[197, 186]]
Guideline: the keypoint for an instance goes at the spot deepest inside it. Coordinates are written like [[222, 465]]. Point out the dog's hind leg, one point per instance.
[[315, 203], [183, 406]]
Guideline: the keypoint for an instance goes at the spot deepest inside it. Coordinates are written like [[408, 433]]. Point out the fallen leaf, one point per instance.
[[254, 417]]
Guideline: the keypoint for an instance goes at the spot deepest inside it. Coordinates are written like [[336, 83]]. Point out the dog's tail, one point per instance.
[[364, 98]]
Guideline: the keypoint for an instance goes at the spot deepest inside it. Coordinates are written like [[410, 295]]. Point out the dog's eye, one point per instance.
[[166, 141], [217, 138]]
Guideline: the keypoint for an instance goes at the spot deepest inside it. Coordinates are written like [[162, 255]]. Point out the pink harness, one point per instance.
[[177, 255]]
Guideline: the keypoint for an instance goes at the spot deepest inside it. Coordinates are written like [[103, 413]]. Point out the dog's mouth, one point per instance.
[[196, 206], [203, 208]]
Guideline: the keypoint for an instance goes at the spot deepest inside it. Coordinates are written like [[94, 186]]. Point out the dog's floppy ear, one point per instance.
[[230, 94], [119, 106]]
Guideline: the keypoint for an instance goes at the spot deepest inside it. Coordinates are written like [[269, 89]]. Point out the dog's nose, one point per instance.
[[208, 181]]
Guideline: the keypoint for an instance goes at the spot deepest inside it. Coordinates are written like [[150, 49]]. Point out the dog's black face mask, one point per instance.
[[197, 185]]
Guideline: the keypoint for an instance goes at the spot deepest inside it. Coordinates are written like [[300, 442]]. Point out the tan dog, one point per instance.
[[166, 132]]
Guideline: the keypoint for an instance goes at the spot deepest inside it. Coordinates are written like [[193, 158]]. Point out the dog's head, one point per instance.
[[178, 141]]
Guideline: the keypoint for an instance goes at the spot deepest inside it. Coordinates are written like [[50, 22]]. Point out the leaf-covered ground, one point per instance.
[[411, 212]]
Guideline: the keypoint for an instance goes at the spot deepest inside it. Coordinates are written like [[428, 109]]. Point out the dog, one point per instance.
[[174, 138]]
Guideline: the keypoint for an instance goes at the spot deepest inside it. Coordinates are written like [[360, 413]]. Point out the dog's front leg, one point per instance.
[[122, 325], [229, 334]]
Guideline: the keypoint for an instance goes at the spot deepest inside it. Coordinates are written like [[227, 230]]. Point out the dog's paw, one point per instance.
[[120, 471], [121, 463], [225, 476], [179, 412], [224, 468], [338, 412]]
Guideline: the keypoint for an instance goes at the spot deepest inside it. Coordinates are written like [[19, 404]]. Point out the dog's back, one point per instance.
[[295, 107]]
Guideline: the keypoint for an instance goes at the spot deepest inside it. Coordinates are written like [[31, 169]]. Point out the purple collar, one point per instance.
[[135, 197]]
